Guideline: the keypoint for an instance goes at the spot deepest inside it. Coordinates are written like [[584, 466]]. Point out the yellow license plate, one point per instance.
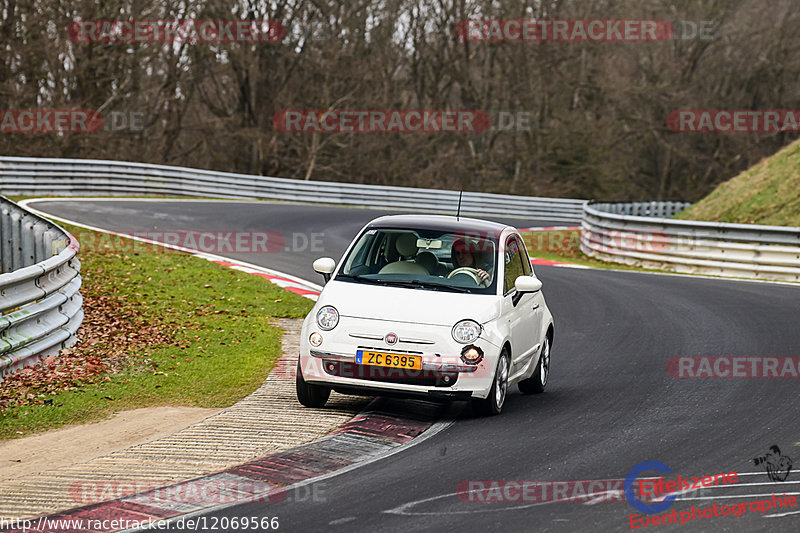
[[393, 360]]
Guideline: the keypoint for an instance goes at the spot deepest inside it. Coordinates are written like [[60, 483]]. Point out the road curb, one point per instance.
[[269, 420], [378, 431]]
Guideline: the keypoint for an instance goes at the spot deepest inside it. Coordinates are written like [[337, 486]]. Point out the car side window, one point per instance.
[[526, 261], [513, 260]]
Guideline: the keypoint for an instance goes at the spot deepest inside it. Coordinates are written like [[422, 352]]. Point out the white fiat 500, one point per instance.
[[428, 306]]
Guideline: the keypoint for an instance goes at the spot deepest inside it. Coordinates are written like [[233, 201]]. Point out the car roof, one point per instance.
[[438, 222]]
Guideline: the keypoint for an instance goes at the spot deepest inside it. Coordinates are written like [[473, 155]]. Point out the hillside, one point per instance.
[[767, 193]]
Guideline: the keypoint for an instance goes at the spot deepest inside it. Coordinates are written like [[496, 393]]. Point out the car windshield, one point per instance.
[[423, 259]]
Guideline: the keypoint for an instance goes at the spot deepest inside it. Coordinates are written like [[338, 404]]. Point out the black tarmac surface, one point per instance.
[[610, 403]]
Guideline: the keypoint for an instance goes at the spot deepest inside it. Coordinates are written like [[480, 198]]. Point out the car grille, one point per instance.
[[403, 376]]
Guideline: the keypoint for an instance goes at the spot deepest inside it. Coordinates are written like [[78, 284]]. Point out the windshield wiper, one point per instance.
[[415, 283], [356, 277]]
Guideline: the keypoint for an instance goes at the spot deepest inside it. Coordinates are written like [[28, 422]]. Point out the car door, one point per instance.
[[534, 304], [517, 309]]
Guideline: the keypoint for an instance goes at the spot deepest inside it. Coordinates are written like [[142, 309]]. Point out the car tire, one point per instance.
[[493, 404], [538, 381], [309, 394]]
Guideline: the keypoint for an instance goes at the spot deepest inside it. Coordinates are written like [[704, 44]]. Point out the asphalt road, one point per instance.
[[303, 233], [610, 403]]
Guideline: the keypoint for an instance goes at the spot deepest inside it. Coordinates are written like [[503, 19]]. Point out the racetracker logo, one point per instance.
[[215, 242], [204, 491], [525, 491], [171, 31], [381, 121], [565, 30], [49, 121], [734, 121], [603, 240], [734, 367]]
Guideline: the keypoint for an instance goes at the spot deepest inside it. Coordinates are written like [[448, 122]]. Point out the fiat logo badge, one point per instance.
[[391, 338]]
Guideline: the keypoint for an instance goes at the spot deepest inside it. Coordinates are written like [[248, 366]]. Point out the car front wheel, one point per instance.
[[493, 404], [309, 394]]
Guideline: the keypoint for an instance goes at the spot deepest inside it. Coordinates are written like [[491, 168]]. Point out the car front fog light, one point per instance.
[[466, 331], [327, 317], [315, 339], [472, 355]]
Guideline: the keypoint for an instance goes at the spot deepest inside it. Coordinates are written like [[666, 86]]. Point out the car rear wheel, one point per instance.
[[309, 394], [493, 404], [538, 381]]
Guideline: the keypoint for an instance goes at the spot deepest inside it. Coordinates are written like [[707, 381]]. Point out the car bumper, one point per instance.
[[432, 394], [443, 374]]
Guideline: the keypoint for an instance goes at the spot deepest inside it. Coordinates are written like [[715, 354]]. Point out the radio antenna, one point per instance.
[[458, 213]]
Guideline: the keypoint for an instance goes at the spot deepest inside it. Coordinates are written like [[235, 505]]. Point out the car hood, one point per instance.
[[400, 304]]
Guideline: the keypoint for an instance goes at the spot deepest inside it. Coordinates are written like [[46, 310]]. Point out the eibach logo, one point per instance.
[[381, 121], [170, 31], [565, 30], [49, 121]]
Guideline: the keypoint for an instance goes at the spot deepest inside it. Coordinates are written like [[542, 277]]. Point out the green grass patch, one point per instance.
[[766, 193], [220, 344]]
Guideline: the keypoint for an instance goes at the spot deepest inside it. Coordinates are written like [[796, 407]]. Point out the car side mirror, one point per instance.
[[525, 284], [325, 266]]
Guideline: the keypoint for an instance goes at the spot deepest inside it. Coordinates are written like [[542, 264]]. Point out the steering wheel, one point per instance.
[[471, 272]]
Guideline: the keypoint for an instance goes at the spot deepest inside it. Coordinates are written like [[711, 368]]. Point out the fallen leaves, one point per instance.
[[114, 335]]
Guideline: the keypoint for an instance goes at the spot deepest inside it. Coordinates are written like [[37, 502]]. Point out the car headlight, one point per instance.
[[466, 331], [327, 317]]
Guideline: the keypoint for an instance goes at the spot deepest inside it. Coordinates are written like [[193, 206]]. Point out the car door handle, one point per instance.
[[536, 306]]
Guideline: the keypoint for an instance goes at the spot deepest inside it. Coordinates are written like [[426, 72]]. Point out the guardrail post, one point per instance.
[[38, 277]]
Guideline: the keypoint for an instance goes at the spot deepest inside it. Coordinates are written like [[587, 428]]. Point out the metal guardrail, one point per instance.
[[40, 306], [635, 234], [77, 177], [39, 298]]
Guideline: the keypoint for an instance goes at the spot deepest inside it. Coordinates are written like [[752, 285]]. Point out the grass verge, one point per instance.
[[766, 193], [161, 328]]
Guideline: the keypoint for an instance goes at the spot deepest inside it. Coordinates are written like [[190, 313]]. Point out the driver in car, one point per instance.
[[464, 257]]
